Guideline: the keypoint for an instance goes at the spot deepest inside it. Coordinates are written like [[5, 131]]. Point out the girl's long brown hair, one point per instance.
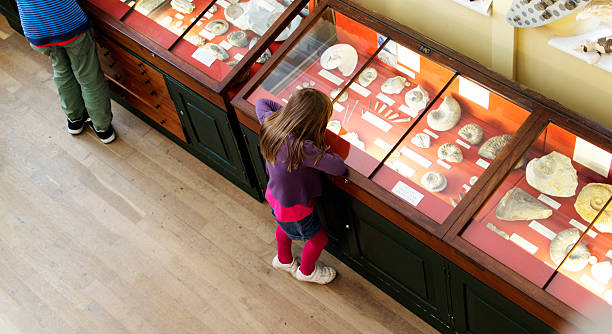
[[304, 117]]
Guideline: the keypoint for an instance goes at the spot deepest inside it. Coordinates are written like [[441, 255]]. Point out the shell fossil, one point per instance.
[[473, 133], [342, 56], [446, 116], [233, 62], [562, 244], [394, 85], [264, 56], [217, 27], [238, 38], [233, 12], [552, 174], [182, 6], [517, 204], [342, 97], [591, 200], [434, 181], [367, 76], [491, 148], [196, 40], [421, 140], [216, 51], [416, 99], [473, 180], [450, 152]]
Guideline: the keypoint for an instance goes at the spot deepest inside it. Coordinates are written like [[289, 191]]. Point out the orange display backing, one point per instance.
[[163, 36], [115, 8], [438, 205]]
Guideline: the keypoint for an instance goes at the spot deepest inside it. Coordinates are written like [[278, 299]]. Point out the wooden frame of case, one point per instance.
[[445, 238]]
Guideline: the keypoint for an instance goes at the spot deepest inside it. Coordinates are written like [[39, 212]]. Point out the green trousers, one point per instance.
[[80, 81]]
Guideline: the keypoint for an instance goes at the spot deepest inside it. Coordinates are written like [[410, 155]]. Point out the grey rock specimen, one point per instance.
[[196, 40], [491, 148], [233, 12], [517, 204], [472, 133], [562, 244], [553, 174], [182, 6], [216, 51]]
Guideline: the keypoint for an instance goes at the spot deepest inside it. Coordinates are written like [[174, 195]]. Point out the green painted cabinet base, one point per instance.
[[8, 8]]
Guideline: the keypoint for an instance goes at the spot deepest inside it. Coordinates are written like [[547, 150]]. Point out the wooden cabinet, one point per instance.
[[257, 161]]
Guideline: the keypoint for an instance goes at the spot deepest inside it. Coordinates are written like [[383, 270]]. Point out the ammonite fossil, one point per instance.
[[416, 99], [591, 200], [233, 12], [434, 181], [450, 152], [552, 174], [562, 244], [217, 27], [472, 133], [238, 38], [491, 148], [446, 116]]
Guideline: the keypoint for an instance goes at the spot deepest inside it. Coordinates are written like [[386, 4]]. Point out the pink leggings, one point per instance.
[[310, 253]]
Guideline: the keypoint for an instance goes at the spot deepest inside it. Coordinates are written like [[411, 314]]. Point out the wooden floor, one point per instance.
[[140, 237]]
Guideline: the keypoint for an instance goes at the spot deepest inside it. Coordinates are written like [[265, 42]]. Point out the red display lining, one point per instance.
[[219, 69], [579, 298], [157, 32], [115, 8], [437, 205]]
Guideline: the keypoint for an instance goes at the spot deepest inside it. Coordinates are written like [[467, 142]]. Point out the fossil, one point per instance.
[[387, 58], [342, 56], [196, 40], [562, 244], [183, 6], [591, 200], [145, 7], [434, 181], [598, 9], [216, 51], [491, 148], [233, 62], [473, 133], [238, 38], [552, 174], [334, 126], [213, 9], [599, 47], [416, 99], [233, 12], [473, 180], [517, 204], [446, 116], [394, 85], [495, 229], [450, 152], [342, 97], [217, 27], [367, 76], [264, 56]]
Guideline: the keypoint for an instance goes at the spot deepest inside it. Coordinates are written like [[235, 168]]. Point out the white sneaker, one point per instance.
[[320, 275], [290, 267]]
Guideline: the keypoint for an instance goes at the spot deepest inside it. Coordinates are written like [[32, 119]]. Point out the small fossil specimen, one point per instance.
[[342, 97], [367, 76], [446, 116], [217, 27], [434, 181], [216, 51], [238, 38], [473, 133], [562, 244], [394, 85], [450, 152], [517, 204]]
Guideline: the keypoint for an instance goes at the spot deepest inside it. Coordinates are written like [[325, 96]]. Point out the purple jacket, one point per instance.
[[303, 183]]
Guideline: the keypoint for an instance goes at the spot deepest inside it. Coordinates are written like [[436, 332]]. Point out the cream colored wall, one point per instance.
[[521, 54]]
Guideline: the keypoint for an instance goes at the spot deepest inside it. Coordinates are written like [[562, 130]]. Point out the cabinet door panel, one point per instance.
[[252, 141], [209, 129]]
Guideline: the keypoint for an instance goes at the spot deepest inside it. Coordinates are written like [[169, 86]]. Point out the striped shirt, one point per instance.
[[51, 22]]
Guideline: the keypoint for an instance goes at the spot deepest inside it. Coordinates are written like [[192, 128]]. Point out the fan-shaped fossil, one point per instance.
[[434, 181], [416, 99], [562, 244], [591, 200], [472, 132], [217, 27], [553, 174], [342, 56], [342, 97], [394, 85], [450, 152], [216, 51], [367, 76], [517, 204], [446, 116], [421, 140], [238, 38]]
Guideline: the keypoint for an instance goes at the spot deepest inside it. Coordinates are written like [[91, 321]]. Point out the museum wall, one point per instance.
[[521, 54]]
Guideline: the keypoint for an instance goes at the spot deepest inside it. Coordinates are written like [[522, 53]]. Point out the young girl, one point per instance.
[[295, 152]]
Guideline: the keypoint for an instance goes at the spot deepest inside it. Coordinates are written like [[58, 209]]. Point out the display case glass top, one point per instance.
[[542, 208], [116, 8], [224, 34], [441, 158]]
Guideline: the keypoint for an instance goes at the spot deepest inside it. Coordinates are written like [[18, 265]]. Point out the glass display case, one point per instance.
[[444, 154], [542, 208], [228, 30]]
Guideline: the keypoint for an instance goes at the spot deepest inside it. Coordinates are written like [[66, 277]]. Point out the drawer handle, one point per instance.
[[157, 106], [111, 64], [143, 72], [117, 77], [346, 181], [153, 93], [147, 81], [163, 121], [106, 53], [140, 64]]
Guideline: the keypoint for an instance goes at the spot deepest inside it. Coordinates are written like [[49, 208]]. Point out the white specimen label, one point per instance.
[[609, 253], [337, 106], [377, 121], [204, 57], [462, 143], [199, 23], [431, 133], [360, 89], [238, 56], [409, 58], [207, 34], [331, 77], [403, 169], [592, 157], [406, 71], [222, 3], [551, 202], [208, 15], [179, 16], [385, 99], [285, 100], [407, 110], [543, 230], [582, 228], [482, 163], [466, 187], [383, 144], [592, 284], [412, 155], [524, 244], [474, 92], [407, 193], [225, 44], [443, 164]]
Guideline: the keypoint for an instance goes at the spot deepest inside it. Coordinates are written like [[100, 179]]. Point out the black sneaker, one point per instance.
[[75, 127], [105, 136]]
